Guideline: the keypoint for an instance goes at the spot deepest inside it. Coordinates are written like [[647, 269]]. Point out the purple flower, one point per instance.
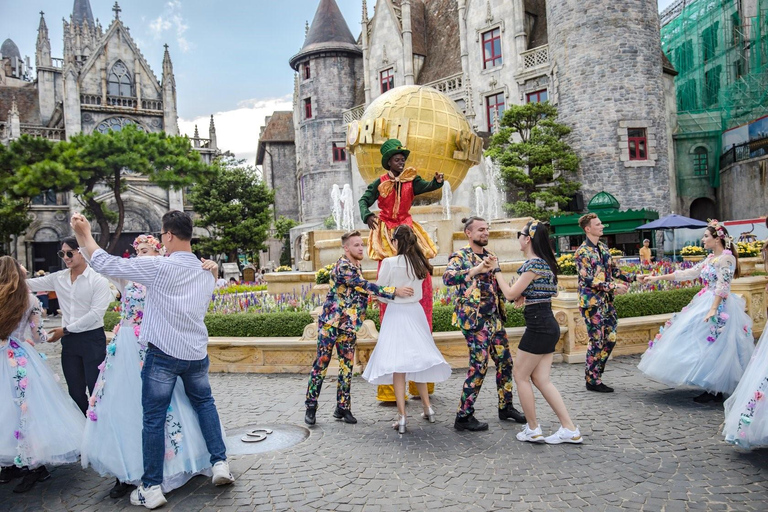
[[711, 339]]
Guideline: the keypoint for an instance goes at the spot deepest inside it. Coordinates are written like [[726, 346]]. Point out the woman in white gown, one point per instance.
[[406, 350], [40, 424], [709, 343], [112, 440]]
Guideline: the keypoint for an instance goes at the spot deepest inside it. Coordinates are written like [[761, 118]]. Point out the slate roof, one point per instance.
[[279, 128], [81, 12], [26, 100], [9, 49], [443, 57], [328, 32]]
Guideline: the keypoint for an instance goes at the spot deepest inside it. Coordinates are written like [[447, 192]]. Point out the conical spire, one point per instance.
[[365, 11], [43, 46], [212, 135], [328, 32], [81, 12], [167, 64]]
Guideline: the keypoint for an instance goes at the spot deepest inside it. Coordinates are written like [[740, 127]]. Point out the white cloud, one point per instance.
[[238, 130], [172, 21]]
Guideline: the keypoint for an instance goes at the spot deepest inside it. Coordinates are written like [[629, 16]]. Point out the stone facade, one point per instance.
[[609, 81], [102, 83], [743, 192]]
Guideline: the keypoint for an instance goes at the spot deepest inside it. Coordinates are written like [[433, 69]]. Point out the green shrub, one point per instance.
[[111, 319], [263, 325], [654, 303], [442, 315]]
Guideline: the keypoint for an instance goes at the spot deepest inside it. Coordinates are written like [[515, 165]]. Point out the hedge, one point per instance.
[[291, 324]]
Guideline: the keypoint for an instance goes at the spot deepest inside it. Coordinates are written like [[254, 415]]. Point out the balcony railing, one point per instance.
[[452, 86], [152, 104], [353, 114], [745, 151], [535, 57], [90, 99], [121, 101], [57, 63], [43, 131]]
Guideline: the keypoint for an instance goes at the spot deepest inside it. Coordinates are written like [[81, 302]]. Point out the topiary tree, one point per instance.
[[537, 165]]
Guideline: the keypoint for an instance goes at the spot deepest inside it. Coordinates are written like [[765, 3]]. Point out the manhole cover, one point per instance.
[[282, 436]]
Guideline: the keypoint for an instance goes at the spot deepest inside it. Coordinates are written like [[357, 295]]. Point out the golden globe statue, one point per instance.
[[428, 123]]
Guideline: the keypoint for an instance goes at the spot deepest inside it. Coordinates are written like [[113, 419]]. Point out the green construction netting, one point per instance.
[[720, 51]]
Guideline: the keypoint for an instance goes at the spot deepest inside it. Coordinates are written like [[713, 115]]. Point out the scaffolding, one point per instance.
[[720, 51]]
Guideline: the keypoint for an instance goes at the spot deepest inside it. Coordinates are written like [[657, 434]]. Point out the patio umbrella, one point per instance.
[[672, 222]]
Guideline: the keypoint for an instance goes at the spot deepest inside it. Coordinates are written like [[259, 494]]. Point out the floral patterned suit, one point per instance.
[[597, 274], [343, 314], [480, 315]]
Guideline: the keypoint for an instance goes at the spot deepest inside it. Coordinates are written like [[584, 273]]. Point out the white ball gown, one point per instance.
[[41, 424], [708, 355], [112, 442], [746, 411], [405, 343]]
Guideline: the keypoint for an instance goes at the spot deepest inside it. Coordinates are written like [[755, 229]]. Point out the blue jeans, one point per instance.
[[158, 377]]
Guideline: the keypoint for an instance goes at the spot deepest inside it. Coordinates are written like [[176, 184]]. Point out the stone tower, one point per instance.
[[607, 83], [328, 65]]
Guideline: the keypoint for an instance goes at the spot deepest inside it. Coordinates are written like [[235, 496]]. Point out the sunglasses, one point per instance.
[[68, 254], [522, 233]]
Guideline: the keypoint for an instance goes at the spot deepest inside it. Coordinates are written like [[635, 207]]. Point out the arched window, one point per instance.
[[119, 81], [700, 162]]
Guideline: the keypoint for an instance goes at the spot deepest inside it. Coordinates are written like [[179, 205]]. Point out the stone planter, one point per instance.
[[694, 258], [748, 265], [568, 283], [321, 289]]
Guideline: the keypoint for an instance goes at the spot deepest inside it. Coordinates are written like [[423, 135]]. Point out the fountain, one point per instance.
[[336, 205], [494, 194], [348, 208], [479, 201], [446, 199]]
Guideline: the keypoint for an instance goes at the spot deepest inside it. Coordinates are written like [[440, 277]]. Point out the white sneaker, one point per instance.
[[151, 497], [563, 435], [532, 436], [221, 474]]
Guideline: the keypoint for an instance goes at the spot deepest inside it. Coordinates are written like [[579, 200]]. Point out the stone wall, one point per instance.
[[743, 192], [279, 170], [608, 78], [691, 187]]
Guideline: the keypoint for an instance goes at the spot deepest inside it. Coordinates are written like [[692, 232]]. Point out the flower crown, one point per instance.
[[720, 231], [149, 240]]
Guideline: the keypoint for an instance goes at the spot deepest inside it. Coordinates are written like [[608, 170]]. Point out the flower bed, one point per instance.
[[240, 288]]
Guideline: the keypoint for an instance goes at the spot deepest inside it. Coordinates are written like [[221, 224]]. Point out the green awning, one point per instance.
[[615, 222]]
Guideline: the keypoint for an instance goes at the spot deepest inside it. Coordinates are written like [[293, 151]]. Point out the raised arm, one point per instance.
[[422, 186], [42, 283]]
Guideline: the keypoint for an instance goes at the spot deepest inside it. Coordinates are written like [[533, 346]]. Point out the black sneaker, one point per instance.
[[10, 472], [309, 416], [120, 489], [509, 412], [344, 414], [600, 388], [34, 475], [469, 423]]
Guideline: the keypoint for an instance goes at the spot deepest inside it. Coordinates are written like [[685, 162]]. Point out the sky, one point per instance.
[[230, 57]]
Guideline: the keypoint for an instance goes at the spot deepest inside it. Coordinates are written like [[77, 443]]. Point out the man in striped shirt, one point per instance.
[[173, 328]]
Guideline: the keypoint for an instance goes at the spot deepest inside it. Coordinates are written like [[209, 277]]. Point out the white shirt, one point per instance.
[[178, 293], [83, 303], [393, 272]]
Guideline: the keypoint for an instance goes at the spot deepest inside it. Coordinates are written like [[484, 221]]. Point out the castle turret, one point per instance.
[[607, 82], [326, 65]]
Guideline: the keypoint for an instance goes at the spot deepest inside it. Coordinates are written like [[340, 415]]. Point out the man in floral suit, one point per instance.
[[480, 315], [597, 287], [343, 314]]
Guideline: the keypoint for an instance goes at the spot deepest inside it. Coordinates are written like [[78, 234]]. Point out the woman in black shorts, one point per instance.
[[534, 289]]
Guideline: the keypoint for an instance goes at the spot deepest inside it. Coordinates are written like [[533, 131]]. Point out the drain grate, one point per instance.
[[281, 437]]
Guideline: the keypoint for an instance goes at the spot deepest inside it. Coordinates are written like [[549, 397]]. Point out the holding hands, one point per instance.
[[80, 224], [488, 264]]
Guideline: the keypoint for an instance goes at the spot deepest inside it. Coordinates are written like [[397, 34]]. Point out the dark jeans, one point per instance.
[[81, 355], [158, 377]]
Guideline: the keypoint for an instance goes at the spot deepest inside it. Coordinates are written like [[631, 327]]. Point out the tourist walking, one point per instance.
[[534, 289], [84, 297], [405, 349], [343, 314], [173, 329], [709, 343], [480, 315], [112, 440], [598, 275], [40, 424]]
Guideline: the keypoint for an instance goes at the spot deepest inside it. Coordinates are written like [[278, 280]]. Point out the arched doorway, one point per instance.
[[45, 245], [703, 208]]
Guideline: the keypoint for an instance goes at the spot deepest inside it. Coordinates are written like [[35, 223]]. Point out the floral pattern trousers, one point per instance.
[[327, 338], [490, 339], [601, 323]]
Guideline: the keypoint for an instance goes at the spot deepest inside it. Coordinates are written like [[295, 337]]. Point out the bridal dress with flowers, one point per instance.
[[112, 442], [709, 355], [746, 411], [40, 424]]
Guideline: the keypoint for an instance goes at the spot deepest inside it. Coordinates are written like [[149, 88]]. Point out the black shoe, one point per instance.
[[469, 423], [34, 475], [120, 489], [600, 388], [10, 472], [344, 414], [509, 412], [309, 416], [706, 397]]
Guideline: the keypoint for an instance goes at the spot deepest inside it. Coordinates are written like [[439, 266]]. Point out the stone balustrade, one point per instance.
[[152, 104], [43, 131], [90, 99], [296, 354], [535, 57], [122, 101], [452, 86], [353, 114]]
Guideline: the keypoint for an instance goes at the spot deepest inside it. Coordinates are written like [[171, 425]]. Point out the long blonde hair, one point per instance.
[[14, 296]]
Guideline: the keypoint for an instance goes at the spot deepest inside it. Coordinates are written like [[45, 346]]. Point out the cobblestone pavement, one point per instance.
[[646, 448]]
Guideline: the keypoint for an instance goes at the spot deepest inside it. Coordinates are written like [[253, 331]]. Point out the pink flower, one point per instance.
[[724, 316], [92, 415], [136, 330], [101, 366], [23, 383], [10, 354], [169, 455], [22, 361], [759, 395]]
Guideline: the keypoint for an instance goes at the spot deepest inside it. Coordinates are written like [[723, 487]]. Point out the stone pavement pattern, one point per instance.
[[646, 448]]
